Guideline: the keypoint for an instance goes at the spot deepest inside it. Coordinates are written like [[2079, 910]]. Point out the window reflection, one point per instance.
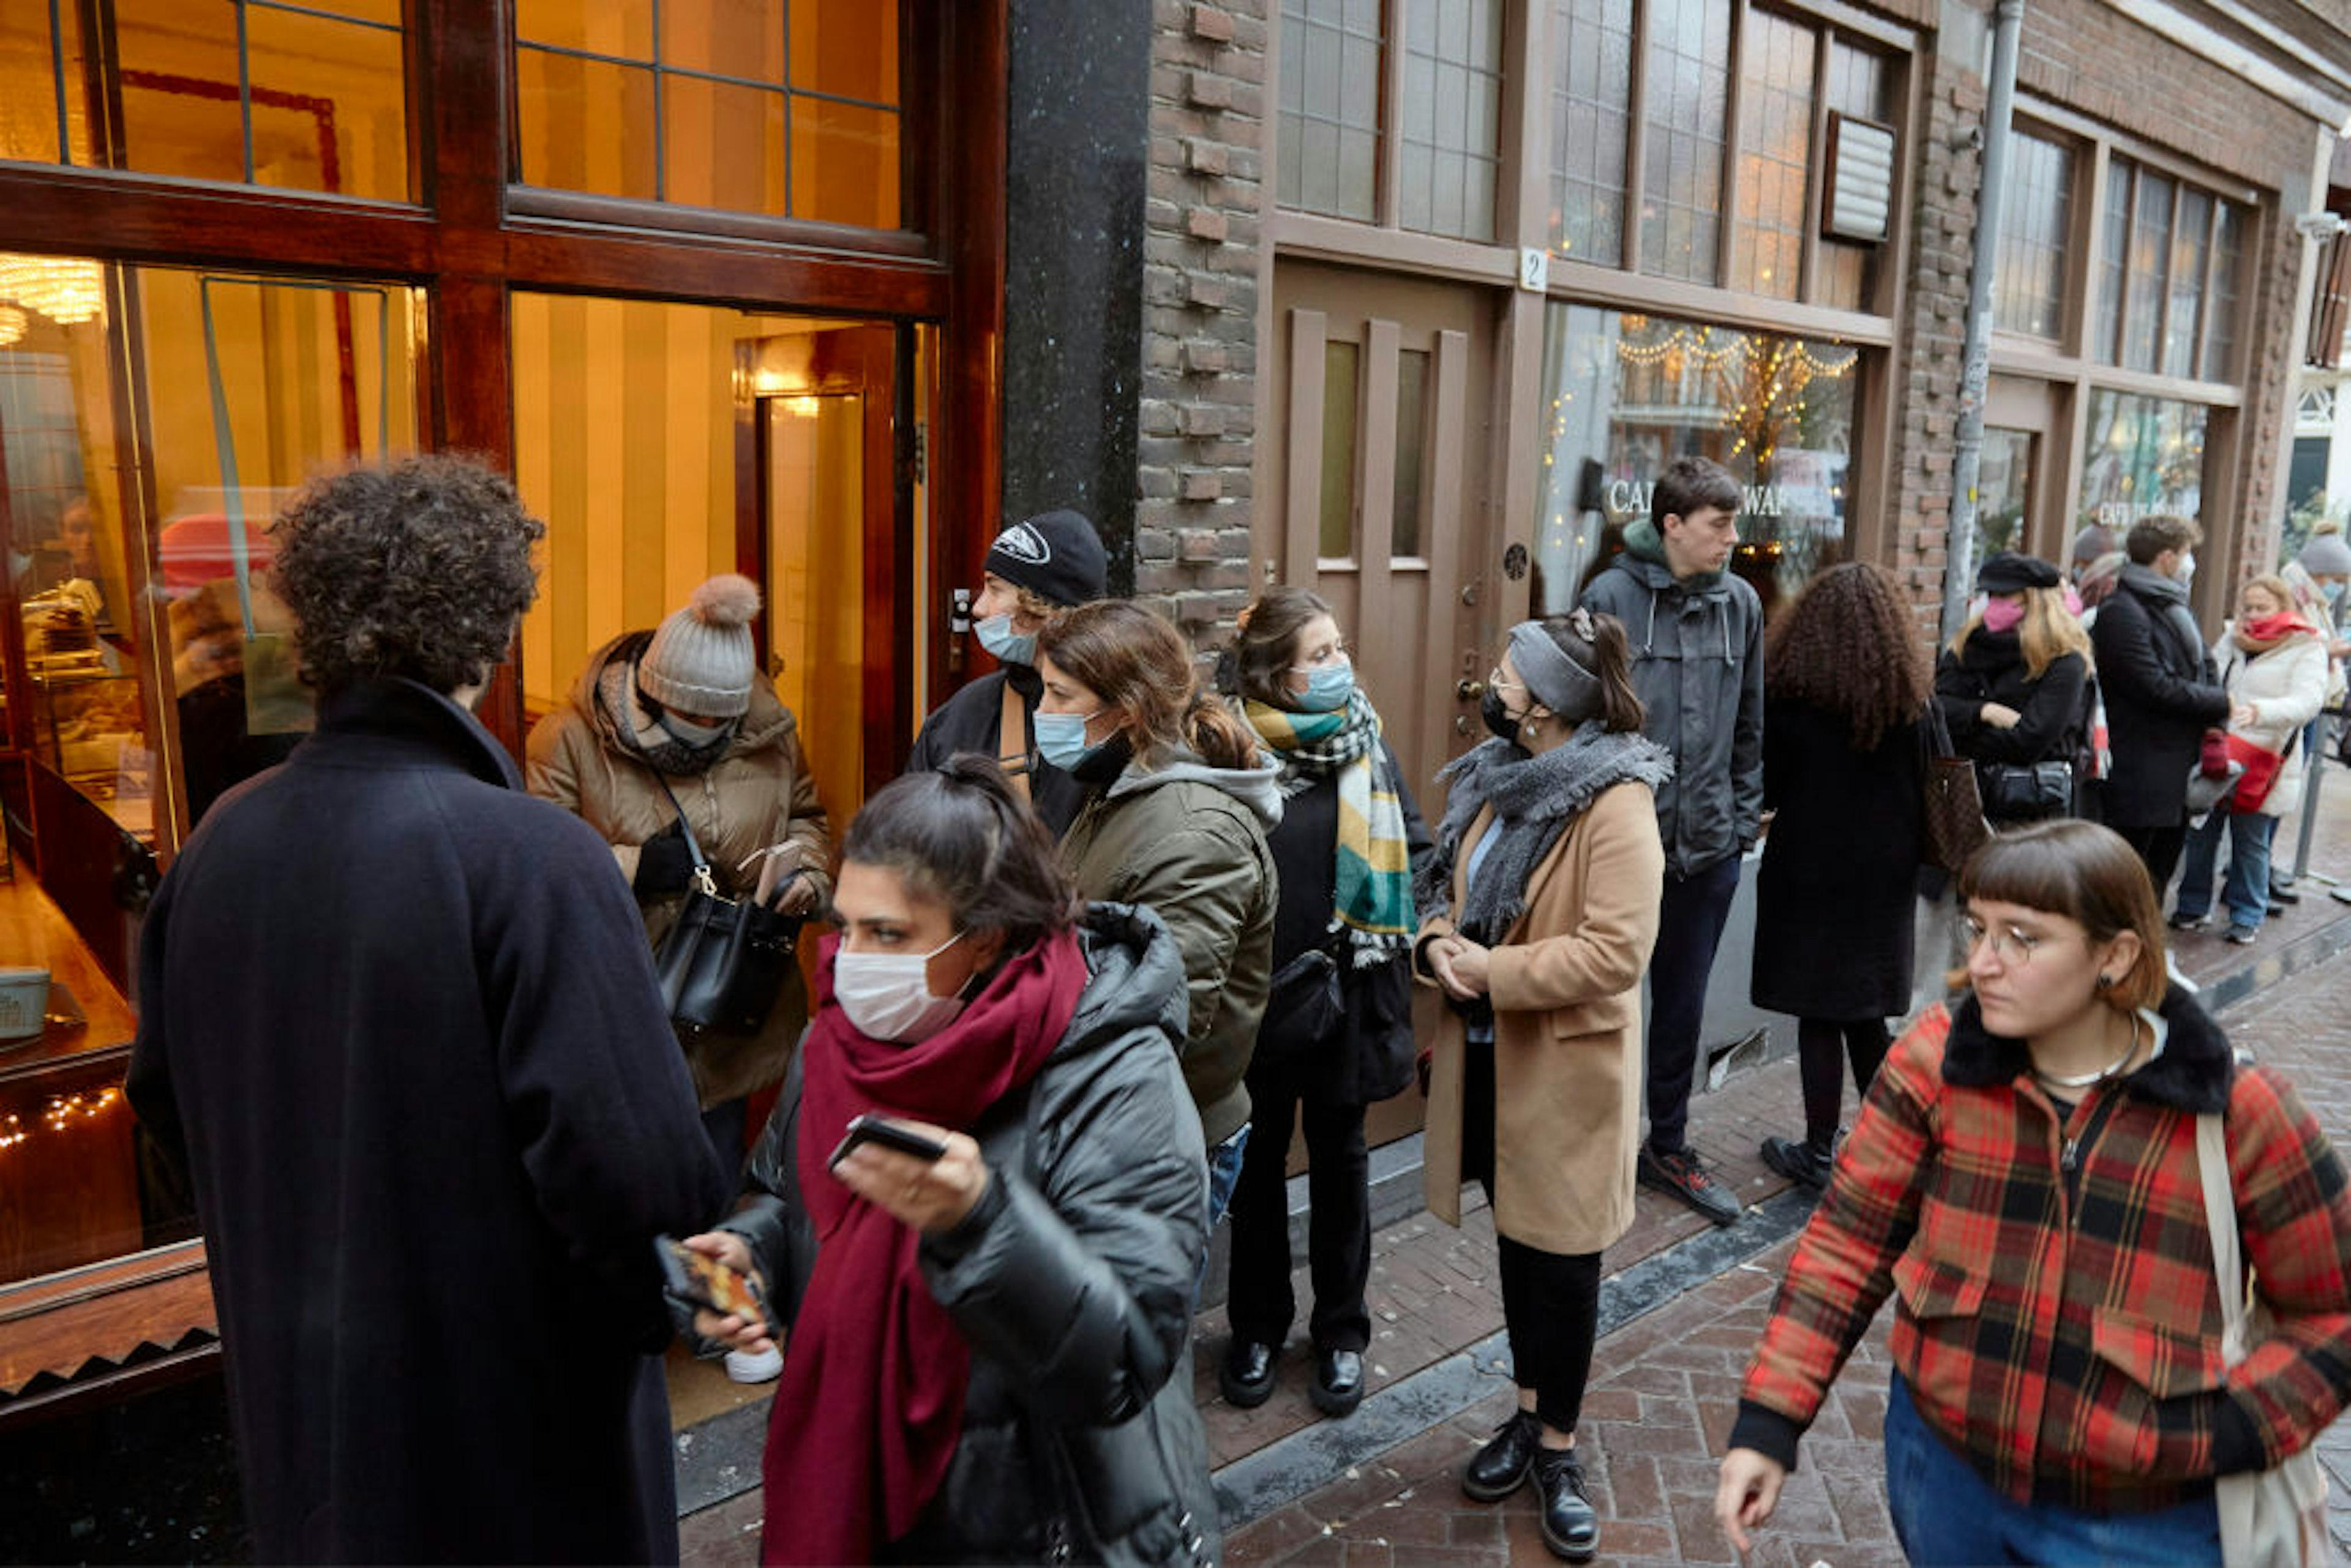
[[1688, 94], [1625, 394], [782, 107], [1775, 138], [2035, 215], [1863, 85], [310, 97], [2143, 455], [1452, 142]]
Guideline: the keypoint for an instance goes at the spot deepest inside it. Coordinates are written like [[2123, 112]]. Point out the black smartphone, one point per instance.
[[870, 1128], [704, 1282]]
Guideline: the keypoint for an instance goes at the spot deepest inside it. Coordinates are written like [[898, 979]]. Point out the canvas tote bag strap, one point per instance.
[[1012, 741], [2221, 1216]]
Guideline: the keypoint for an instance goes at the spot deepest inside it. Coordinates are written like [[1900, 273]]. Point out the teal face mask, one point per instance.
[[1061, 737], [1328, 687], [1003, 643]]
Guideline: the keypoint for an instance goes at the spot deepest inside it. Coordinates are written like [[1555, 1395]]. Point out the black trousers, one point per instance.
[[1258, 1298], [1551, 1301], [1690, 918], [1824, 1047], [2160, 849]]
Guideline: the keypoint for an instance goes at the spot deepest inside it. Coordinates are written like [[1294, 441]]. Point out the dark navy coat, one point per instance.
[[399, 1020]]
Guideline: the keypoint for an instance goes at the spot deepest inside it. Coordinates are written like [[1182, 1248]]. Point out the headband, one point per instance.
[[1554, 680]]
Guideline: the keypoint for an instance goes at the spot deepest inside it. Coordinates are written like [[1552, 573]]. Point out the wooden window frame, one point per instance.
[[466, 243]]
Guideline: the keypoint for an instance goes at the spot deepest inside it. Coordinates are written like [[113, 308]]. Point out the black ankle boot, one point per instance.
[[1571, 1527], [1500, 1467]]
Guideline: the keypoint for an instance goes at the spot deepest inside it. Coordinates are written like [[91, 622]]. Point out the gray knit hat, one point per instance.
[[2326, 555], [700, 660]]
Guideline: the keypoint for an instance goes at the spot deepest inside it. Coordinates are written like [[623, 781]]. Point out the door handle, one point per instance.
[[1470, 691]]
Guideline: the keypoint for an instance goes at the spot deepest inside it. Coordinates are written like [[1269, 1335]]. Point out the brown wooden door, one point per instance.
[[1381, 495]]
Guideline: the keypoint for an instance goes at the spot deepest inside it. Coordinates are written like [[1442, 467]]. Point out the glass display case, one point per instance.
[[88, 726]]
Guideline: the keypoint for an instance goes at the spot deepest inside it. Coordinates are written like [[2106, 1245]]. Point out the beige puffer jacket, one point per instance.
[[759, 794]]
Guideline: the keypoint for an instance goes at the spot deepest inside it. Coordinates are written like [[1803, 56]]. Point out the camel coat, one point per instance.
[[1566, 987]]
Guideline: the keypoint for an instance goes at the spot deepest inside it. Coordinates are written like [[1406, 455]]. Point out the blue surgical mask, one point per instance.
[[1007, 646], [1061, 737], [2335, 594], [1328, 687]]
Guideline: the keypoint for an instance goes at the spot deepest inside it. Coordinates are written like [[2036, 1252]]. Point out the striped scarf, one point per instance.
[[1372, 901]]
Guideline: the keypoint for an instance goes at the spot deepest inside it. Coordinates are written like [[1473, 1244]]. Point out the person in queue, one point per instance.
[[1844, 691], [672, 743], [2273, 666], [1547, 868], [1696, 633], [2014, 687], [1033, 571], [986, 1354], [2161, 689], [1178, 801], [1337, 1036], [2024, 1179], [398, 1023]]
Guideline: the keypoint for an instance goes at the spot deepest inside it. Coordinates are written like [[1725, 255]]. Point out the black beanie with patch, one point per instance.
[[1056, 554]]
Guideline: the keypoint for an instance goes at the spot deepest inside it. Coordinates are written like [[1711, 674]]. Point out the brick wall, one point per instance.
[[1203, 216]]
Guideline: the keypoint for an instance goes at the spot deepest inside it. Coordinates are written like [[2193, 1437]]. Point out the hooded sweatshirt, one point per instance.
[[1188, 841], [1697, 665]]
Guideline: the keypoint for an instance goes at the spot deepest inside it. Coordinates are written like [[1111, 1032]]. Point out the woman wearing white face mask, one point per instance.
[[1179, 802], [676, 722], [970, 1335]]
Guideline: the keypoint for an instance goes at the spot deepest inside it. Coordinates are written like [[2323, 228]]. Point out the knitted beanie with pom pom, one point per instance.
[[700, 660]]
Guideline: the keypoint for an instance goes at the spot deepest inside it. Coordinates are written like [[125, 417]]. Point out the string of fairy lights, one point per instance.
[[62, 1113]]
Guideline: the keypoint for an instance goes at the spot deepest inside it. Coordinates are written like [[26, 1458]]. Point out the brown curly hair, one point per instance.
[[1848, 646], [418, 568]]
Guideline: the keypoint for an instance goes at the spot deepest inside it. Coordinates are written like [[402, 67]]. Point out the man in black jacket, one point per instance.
[[399, 1021], [2162, 690], [1051, 562]]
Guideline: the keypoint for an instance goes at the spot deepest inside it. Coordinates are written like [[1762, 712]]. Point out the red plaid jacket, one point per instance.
[[2055, 1317]]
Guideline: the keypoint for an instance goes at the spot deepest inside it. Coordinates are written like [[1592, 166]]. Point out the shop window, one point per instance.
[[786, 108], [2142, 455], [2035, 217], [309, 96], [2168, 276], [1330, 126], [1626, 394], [1450, 155], [1591, 118], [1689, 97], [2222, 303], [1775, 145], [156, 668]]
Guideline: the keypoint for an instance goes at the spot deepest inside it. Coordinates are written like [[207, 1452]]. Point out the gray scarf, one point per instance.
[[2168, 598], [1535, 799]]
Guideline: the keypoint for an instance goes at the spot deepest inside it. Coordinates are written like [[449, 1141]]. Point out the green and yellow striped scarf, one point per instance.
[[1372, 901]]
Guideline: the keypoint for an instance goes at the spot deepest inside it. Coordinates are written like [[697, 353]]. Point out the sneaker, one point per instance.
[[1806, 1163], [2183, 921], [2243, 936], [1680, 1173], [755, 1367]]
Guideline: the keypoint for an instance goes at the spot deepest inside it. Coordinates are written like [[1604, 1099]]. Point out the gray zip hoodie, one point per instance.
[[1697, 664]]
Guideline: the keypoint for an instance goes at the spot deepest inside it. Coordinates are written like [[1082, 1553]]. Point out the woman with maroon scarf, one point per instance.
[[985, 1355]]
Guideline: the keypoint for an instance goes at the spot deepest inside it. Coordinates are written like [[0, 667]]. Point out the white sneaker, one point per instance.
[[765, 1366]]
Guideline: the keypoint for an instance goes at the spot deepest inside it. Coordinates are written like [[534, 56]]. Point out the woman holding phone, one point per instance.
[[982, 1350]]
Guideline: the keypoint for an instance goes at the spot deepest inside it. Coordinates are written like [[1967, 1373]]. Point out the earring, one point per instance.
[[2105, 982]]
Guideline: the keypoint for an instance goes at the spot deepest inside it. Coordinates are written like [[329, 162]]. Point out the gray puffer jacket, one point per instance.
[[1072, 1281], [1697, 664]]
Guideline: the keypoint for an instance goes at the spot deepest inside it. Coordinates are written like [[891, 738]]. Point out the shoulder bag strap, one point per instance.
[[2220, 1215], [693, 844], [1012, 741]]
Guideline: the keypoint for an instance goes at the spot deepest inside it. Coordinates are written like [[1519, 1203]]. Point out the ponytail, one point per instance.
[[1211, 729]]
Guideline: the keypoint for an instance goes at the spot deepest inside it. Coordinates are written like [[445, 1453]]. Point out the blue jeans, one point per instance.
[[1224, 1175], [2247, 891], [1947, 1515]]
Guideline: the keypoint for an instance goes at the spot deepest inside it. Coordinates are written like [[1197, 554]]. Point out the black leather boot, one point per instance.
[[1500, 1467], [1571, 1527], [1338, 1385], [1247, 1373]]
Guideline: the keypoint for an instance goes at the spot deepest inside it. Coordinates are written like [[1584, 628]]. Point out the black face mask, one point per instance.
[[1498, 717]]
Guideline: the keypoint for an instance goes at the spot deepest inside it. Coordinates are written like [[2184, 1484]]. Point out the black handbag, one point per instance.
[[1302, 1007], [2020, 791], [722, 964]]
